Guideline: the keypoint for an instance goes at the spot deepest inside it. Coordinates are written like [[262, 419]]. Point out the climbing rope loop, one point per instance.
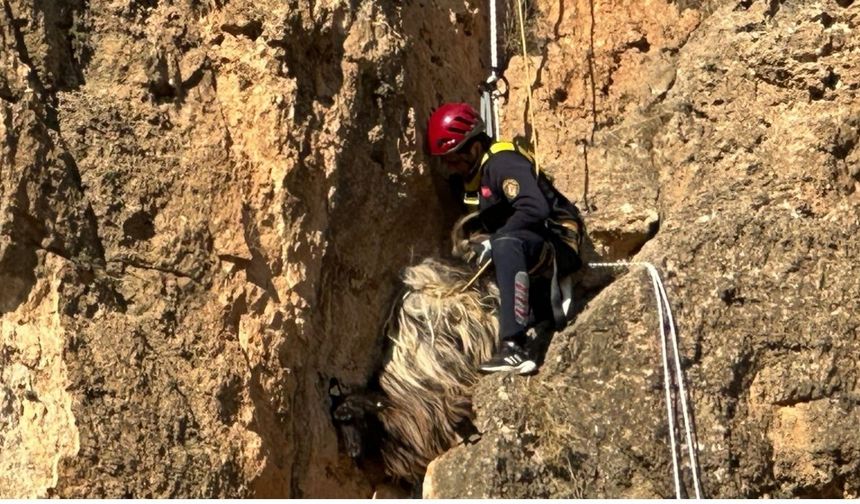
[[667, 322]]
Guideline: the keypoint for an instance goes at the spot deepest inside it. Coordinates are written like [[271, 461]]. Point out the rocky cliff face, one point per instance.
[[205, 205], [204, 209], [724, 141]]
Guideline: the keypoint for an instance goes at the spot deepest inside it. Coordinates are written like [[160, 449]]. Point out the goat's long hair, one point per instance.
[[439, 332]]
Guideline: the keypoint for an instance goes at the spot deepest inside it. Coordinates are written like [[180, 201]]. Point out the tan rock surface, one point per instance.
[[204, 206], [204, 209], [748, 156], [38, 426]]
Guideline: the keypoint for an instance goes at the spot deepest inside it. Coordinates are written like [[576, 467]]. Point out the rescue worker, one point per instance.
[[534, 232]]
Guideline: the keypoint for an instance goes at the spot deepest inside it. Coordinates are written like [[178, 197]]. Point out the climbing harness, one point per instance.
[[565, 225], [664, 314], [565, 221]]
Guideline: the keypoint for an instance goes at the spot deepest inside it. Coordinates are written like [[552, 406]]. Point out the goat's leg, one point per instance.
[[351, 418]]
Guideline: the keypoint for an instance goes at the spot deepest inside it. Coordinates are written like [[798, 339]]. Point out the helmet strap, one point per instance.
[[473, 178]]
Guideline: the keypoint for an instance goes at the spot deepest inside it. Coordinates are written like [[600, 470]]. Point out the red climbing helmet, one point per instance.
[[450, 126]]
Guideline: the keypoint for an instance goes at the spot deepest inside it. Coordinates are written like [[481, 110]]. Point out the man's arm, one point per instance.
[[511, 177]]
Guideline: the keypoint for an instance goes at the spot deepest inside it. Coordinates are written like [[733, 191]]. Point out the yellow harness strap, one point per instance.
[[471, 198], [507, 146], [471, 187]]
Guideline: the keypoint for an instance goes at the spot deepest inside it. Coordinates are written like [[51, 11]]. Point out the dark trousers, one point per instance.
[[514, 255]]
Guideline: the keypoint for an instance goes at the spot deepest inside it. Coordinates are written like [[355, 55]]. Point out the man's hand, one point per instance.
[[481, 247]]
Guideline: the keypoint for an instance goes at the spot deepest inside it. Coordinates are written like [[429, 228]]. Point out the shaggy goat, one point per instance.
[[439, 337], [438, 333]]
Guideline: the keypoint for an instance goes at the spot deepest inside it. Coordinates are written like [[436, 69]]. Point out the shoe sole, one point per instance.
[[521, 368]]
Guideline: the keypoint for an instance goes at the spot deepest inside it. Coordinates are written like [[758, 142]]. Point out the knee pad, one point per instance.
[[521, 298]]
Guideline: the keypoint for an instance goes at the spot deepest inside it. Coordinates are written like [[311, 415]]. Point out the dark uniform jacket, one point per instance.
[[511, 198]]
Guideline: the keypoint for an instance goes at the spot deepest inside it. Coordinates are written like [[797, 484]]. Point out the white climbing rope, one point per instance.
[[494, 53], [667, 319], [490, 94]]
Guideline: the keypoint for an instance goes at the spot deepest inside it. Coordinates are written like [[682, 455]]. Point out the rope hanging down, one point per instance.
[[489, 90], [529, 104], [490, 93], [664, 315], [666, 319]]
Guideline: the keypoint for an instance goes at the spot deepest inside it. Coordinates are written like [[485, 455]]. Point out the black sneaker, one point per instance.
[[510, 357]]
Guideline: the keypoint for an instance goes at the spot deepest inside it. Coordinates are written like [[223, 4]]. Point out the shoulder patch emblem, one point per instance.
[[511, 188]]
